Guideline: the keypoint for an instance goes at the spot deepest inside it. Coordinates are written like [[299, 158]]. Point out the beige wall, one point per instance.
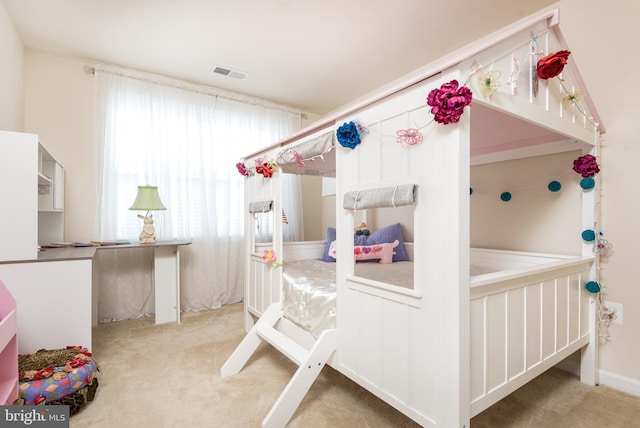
[[59, 106], [535, 219], [11, 75], [603, 42]]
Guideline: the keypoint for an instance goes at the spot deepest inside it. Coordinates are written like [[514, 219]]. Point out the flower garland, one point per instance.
[[547, 67], [262, 167], [447, 105]]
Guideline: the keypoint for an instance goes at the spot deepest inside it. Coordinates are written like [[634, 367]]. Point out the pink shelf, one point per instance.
[[8, 347]]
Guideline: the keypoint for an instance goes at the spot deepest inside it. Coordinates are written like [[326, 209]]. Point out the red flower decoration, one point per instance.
[[449, 101], [552, 64], [39, 400], [265, 169], [586, 166]]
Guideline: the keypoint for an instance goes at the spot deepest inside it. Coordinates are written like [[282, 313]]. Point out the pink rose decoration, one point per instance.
[[448, 102], [242, 169], [586, 166]]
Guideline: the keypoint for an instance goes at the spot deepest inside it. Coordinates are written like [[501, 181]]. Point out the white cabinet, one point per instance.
[[31, 196], [55, 302]]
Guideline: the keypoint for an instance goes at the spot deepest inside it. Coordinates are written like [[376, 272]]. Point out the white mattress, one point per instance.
[[308, 294], [309, 288]]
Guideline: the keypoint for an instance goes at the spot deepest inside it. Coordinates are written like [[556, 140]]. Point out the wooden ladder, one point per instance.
[[310, 362]]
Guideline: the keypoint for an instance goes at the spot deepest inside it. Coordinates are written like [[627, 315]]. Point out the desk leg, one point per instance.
[[167, 283], [95, 291]]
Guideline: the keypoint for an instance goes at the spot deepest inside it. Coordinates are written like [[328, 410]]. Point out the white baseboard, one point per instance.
[[612, 380], [619, 382]]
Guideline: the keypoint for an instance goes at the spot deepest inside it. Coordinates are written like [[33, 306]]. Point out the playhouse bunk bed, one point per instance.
[[469, 325]]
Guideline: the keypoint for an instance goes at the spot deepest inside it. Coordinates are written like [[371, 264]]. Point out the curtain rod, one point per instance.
[[180, 84]]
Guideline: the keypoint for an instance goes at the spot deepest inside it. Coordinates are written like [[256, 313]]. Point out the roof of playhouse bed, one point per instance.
[[500, 68]]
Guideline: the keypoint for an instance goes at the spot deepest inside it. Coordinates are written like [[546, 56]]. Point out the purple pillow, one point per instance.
[[382, 236], [331, 236], [385, 235]]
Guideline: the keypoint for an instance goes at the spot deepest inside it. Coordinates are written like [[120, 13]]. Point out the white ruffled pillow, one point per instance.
[[382, 252]]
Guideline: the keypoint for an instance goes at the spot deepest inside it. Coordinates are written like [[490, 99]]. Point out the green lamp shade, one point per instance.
[[147, 199]]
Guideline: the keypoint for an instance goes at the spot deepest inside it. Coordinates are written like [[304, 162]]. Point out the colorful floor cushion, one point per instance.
[[58, 376]]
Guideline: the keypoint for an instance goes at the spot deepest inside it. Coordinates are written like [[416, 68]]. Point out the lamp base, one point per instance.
[[148, 234]]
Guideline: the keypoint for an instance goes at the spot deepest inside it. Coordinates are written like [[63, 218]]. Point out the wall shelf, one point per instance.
[[32, 200]]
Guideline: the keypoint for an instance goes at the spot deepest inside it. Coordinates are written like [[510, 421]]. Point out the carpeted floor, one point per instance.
[[169, 376]]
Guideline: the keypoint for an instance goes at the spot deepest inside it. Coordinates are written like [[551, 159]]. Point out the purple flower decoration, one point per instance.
[[348, 135], [448, 102], [586, 166], [242, 169]]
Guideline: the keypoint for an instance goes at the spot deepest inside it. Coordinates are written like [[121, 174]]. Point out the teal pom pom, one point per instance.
[[588, 235], [471, 190], [592, 287], [505, 196], [587, 183], [554, 186]]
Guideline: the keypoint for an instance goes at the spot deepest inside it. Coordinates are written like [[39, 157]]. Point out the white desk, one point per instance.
[[166, 278], [56, 295]]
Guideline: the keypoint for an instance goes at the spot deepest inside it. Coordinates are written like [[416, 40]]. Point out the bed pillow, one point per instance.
[[381, 252], [331, 237], [387, 234]]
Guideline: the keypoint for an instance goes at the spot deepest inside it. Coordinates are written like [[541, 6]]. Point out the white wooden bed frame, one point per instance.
[[453, 346]]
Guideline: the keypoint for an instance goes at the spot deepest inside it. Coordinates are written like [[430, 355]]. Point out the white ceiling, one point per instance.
[[311, 54]]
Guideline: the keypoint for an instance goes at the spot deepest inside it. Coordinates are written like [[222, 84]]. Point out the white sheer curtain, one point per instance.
[[185, 140], [292, 207]]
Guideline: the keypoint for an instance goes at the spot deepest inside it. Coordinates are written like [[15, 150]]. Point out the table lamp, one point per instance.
[[147, 200]]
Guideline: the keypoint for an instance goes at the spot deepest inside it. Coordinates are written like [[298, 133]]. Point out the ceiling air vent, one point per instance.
[[229, 73]]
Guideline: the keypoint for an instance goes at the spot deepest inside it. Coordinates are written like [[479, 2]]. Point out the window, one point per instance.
[[186, 140]]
